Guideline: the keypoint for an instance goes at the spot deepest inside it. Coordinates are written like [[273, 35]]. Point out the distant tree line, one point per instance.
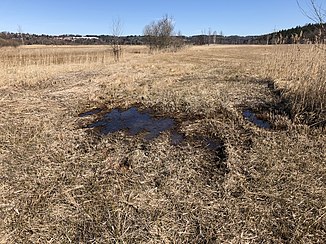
[[304, 34], [310, 33]]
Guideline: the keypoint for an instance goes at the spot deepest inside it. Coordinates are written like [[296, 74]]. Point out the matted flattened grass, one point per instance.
[[62, 183]]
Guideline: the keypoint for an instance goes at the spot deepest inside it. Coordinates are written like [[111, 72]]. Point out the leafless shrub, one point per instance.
[[160, 35]]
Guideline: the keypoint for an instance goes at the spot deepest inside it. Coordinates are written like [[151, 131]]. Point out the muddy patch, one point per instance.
[[90, 112], [148, 126], [253, 118], [134, 122]]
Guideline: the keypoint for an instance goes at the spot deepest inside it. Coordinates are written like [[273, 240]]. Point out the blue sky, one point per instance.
[[240, 17]]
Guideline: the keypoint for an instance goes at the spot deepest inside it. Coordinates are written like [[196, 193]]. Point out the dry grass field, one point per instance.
[[227, 181]]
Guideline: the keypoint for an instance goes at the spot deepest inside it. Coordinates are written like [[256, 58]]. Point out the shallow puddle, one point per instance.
[[251, 116], [134, 122], [137, 122]]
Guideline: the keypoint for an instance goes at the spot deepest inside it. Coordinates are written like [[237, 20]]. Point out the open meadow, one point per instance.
[[243, 161]]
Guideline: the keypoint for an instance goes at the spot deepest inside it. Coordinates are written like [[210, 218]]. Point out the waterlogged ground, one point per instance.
[[133, 121], [186, 147], [252, 117]]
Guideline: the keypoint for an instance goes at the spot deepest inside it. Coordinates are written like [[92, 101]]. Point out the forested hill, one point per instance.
[[309, 33]]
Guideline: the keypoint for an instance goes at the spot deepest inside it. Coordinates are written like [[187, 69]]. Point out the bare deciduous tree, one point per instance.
[[116, 42], [209, 36], [160, 34], [204, 40], [315, 11], [20, 31], [214, 37]]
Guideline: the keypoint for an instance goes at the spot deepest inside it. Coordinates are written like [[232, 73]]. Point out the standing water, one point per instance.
[[249, 115], [134, 122]]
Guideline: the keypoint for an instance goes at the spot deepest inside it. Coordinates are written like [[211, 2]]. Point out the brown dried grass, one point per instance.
[[60, 184], [300, 71]]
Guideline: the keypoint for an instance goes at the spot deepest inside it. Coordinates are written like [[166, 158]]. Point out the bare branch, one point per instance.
[[316, 12]]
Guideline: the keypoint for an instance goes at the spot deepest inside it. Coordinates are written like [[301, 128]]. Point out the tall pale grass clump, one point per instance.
[[33, 65], [300, 72], [45, 56]]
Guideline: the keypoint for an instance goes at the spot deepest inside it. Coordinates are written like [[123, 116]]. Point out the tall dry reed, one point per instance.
[[31, 65], [300, 72]]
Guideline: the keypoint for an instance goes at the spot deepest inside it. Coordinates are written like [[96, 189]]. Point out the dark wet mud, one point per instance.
[[90, 112], [134, 122]]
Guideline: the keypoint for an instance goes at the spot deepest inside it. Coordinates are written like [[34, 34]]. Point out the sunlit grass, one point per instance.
[[300, 70], [62, 183]]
